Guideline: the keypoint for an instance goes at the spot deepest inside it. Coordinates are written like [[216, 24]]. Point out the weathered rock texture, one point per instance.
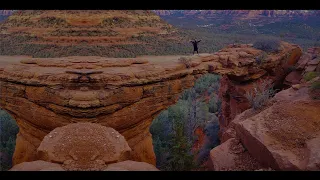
[[124, 94], [83, 147], [282, 135], [232, 156], [130, 166], [38, 165], [233, 87]]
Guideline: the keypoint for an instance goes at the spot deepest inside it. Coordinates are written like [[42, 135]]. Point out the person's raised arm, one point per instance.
[[199, 40]]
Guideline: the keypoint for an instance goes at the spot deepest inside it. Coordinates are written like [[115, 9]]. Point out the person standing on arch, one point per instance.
[[195, 45]]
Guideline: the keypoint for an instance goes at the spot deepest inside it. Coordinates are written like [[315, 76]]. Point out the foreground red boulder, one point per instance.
[[284, 136], [83, 147]]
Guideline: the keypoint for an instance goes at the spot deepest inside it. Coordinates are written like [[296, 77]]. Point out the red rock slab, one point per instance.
[[293, 78], [232, 156], [130, 166], [278, 137], [37, 166]]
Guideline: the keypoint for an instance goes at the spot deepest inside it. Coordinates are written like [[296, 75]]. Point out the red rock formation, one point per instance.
[[83, 147], [60, 33], [38, 165], [284, 134], [130, 166], [124, 94], [231, 156], [233, 88], [284, 137], [201, 138]]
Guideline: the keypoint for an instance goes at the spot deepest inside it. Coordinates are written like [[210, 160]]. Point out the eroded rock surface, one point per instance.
[[83, 147], [38, 165], [284, 137], [232, 156], [284, 133], [130, 166], [124, 94]]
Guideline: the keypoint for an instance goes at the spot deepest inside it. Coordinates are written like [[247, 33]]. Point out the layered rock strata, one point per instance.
[[125, 94]]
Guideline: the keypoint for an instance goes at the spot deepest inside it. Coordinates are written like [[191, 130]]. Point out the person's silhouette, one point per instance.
[[195, 45]]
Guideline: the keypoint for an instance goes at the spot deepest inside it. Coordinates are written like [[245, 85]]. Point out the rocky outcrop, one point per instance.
[[233, 87], [83, 147], [278, 136], [282, 135], [124, 94]]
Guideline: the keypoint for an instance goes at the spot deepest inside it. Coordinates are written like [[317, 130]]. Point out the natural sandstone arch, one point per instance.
[[125, 94]]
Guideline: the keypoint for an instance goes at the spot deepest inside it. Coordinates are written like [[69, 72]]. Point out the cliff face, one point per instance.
[[232, 90], [282, 135], [124, 94]]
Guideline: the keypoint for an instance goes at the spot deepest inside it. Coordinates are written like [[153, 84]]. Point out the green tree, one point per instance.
[[181, 157], [8, 132]]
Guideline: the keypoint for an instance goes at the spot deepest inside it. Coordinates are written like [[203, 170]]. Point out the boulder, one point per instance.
[[283, 136], [84, 146], [293, 78]]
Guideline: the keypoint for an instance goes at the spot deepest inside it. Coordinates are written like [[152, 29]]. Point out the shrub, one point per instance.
[[205, 81], [310, 75], [315, 85], [52, 21], [261, 58], [315, 90], [214, 105], [186, 61], [189, 94], [267, 45], [260, 94]]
